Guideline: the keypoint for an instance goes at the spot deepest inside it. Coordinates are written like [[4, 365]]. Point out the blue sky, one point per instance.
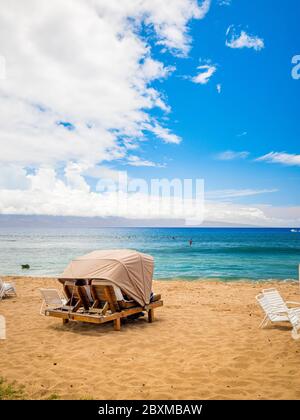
[[181, 89], [258, 97]]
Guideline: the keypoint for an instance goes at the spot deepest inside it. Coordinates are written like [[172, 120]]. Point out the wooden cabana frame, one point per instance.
[[93, 318], [104, 308]]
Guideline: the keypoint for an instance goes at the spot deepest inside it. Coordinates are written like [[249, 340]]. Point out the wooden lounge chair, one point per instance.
[[75, 299], [106, 307], [77, 295]]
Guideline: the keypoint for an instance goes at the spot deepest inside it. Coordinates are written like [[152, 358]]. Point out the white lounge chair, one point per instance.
[[295, 321], [51, 299], [277, 310], [7, 289]]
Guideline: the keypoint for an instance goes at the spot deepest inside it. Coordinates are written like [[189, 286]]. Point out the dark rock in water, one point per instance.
[[25, 266]]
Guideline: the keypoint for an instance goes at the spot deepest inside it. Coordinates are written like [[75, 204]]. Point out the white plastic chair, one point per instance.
[[7, 289], [1, 289], [295, 321], [275, 308], [51, 299]]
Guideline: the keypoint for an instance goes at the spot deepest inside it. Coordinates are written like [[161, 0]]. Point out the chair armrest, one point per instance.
[[280, 312], [292, 302]]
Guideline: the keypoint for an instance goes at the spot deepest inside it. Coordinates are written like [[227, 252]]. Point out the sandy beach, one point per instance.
[[204, 344]]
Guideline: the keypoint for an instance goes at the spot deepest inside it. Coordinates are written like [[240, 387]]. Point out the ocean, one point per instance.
[[226, 253]]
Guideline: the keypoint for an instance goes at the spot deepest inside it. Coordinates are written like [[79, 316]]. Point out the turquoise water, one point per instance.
[[215, 252]]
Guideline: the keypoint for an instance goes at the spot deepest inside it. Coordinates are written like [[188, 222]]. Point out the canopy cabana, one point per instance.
[[130, 270]]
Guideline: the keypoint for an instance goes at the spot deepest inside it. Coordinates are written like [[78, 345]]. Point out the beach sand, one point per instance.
[[204, 344]]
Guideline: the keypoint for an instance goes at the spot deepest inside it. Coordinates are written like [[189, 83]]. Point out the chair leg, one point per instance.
[[105, 308], [295, 333], [14, 290], [65, 321], [117, 324], [76, 307], [263, 322], [42, 312], [151, 315]]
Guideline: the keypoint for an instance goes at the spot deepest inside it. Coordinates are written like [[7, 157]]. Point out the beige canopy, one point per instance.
[[132, 271]]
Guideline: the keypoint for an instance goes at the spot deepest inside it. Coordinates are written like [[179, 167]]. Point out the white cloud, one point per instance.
[[164, 134], [243, 134], [282, 216], [78, 92], [74, 178], [13, 176], [47, 194], [255, 215], [224, 2], [219, 88], [206, 72], [170, 20], [137, 161], [84, 63], [232, 155], [240, 39], [235, 213], [204, 9], [280, 157], [233, 193], [102, 171]]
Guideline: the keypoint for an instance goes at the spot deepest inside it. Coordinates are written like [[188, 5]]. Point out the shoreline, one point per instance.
[[204, 344], [237, 280]]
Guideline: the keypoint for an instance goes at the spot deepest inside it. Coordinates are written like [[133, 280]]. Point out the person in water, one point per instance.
[[191, 242]]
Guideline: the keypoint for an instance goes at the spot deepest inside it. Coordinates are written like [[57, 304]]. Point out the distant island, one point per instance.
[[36, 221]]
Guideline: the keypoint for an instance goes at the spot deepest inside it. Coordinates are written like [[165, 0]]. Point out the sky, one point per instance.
[[181, 89]]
